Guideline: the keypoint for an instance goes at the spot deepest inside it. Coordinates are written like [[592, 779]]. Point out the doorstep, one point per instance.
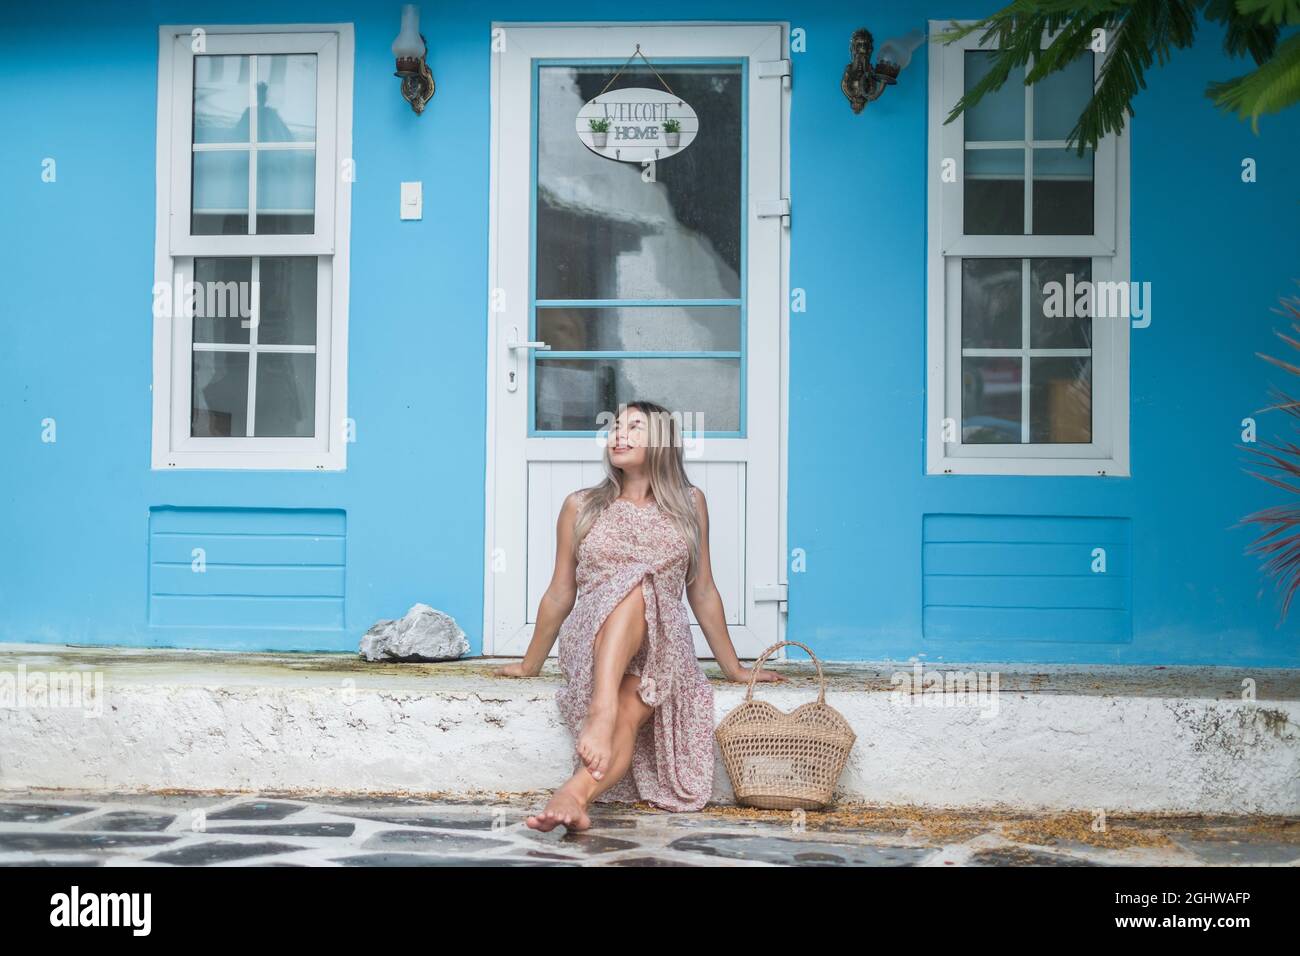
[[1118, 739]]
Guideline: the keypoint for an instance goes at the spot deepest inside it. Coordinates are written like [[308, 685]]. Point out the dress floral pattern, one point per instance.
[[629, 546]]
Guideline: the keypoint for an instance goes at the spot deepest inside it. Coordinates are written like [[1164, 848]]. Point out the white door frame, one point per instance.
[[585, 39]]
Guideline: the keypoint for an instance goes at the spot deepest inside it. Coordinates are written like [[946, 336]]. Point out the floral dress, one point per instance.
[[627, 547]]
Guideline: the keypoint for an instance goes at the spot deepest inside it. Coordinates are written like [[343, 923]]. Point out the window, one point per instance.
[[250, 293], [1028, 296]]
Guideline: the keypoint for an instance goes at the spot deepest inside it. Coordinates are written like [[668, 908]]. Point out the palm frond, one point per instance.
[[1279, 12], [1278, 464], [1148, 32], [1141, 32], [1245, 31], [1272, 86]]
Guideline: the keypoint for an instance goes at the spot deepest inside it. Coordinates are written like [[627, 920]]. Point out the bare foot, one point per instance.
[[565, 809], [596, 741]]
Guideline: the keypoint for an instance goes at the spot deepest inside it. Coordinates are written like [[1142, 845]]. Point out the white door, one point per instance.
[[660, 281]]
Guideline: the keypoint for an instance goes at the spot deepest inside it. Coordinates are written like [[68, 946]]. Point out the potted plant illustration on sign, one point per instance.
[[672, 132], [599, 132]]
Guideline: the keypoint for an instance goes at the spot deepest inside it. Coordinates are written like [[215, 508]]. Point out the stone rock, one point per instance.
[[422, 635]]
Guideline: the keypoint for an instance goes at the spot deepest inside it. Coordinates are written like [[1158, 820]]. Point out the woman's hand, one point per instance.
[[742, 676], [515, 669]]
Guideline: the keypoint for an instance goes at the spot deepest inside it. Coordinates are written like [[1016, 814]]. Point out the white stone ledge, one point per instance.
[[1058, 738]]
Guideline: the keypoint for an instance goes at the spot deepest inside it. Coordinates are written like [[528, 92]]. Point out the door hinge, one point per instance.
[[772, 208], [770, 68], [780, 593]]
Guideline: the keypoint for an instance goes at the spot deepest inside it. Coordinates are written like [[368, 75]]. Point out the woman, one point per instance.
[[634, 698]]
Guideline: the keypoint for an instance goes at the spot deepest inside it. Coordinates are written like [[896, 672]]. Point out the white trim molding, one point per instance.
[[948, 246], [176, 248]]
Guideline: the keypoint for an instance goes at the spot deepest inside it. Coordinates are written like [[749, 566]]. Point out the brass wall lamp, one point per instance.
[[410, 50], [863, 82]]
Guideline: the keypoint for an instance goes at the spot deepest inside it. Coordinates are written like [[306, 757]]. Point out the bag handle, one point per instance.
[[758, 665]]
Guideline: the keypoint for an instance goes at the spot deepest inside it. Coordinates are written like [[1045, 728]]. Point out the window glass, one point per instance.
[[571, 393], [254, 120], [254, 312], [1052, 371], [1060, 97], [999, 115]]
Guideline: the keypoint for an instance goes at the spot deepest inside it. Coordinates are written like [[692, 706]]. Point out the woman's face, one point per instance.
[[628, 439]]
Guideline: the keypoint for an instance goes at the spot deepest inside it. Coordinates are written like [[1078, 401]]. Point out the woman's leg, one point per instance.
[[616, 643], [568, 805]]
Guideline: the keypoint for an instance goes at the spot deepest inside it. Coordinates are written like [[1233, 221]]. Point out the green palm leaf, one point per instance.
[[1273, 86]]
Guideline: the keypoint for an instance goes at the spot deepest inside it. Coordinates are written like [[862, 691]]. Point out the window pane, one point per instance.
[[1060, 97], [219, 399], [286, 191], [604, 233], [220, 193], [1060, 399], [224, 304], [995, 192], [288, 298], [286, 395], [1062, 193], [999, 115], [641, 329], [286, 98], [1057, 319], [990, 400], [221, 99], [571, 393], [991, 303]]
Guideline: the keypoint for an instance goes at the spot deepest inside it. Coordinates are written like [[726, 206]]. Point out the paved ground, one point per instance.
[[62, 828]]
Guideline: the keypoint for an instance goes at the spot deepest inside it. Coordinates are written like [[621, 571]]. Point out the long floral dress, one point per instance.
[[629, 546]]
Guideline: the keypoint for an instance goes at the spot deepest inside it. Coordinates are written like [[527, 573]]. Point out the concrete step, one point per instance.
[[1110, 739]]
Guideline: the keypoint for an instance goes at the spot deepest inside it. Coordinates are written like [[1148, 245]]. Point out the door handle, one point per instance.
[[514, 346]]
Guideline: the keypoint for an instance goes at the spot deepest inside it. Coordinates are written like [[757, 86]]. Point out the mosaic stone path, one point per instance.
[[176, 829]]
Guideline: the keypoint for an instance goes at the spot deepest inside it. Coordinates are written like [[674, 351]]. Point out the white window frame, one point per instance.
[[175, 249], [1108, 248]]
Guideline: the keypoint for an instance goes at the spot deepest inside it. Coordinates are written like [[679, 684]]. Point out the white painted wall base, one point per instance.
[[195, 720]]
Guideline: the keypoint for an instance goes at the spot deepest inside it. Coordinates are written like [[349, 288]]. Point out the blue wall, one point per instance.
[[77, 261]]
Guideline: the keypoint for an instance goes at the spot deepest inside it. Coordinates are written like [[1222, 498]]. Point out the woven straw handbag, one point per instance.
[[780, 761]]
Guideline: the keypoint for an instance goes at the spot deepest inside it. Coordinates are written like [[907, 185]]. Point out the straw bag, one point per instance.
[[780, 761]]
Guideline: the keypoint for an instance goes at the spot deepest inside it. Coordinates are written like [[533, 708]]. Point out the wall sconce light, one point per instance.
[[863, 82], [410, 50]]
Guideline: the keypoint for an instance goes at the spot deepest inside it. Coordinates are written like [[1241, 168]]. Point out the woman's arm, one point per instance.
[[706, 602], [557, 602]]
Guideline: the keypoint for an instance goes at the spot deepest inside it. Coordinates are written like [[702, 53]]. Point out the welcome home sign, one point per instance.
[[639, 125]]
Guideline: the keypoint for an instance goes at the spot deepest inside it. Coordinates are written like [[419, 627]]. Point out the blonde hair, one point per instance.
[[668, 482]]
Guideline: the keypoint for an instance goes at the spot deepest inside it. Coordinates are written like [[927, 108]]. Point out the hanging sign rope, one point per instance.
[[637, 124]]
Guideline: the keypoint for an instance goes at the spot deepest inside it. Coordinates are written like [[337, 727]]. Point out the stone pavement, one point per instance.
[[70, 828]]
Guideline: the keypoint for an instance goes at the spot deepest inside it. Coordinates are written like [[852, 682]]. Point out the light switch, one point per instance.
[[412, 201]]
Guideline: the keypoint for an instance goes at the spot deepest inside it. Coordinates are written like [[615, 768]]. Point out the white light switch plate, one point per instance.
[[412, 201]]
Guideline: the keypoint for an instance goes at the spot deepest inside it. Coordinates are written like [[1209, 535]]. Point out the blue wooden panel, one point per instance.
[[1027, 625], [1049, 559], [1019, 578], [260, 568], [232, 612], [1038, 591], [1027, 529], [245, 579], [259, 521], [311, 550]]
